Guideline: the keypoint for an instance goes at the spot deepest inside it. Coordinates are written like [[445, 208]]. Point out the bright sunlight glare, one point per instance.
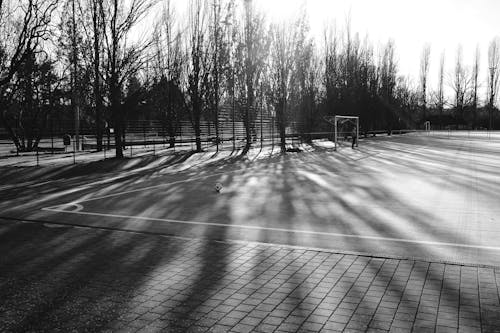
[[443, 24]]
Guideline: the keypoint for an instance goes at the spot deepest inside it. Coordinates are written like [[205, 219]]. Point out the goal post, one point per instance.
[[427, 126], [344, 127]]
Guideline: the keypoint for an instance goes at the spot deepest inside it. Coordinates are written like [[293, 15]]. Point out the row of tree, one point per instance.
[[94, 66]]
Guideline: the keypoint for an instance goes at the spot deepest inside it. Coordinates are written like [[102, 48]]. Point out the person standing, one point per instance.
[[354, 135]]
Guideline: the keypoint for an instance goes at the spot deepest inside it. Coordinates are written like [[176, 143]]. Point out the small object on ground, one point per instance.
[[218, 187]]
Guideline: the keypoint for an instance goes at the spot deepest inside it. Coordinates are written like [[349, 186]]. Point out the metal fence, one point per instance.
[[151, 137]]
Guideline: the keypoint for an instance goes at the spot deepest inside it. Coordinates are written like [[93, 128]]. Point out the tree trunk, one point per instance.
[[197, 132], [282, 127], [97, 93], [171, 132], [118, 141], [248, 130], [117, 117], [170, 115], [10, 130]]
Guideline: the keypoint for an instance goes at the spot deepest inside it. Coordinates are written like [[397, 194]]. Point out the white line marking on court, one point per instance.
[[251, 227], [62, 208]]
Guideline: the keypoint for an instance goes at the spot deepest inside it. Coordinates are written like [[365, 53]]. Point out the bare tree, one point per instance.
[[255, 50], [305, 75], [424, 73], [97, 29], [309, 68], [281, 66], [387, 83], [460, 84], [408, 99], [229, 52], [493, 77], [475, 86], [197, 66], [165, 94], [330, 67], [123, 57], [440, 91], [74, 76], [170, 61], [24, 25], [220, 9]]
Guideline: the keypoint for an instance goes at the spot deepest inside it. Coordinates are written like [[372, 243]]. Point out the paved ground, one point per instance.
[[426, 197], [81, 279], [395, 197]]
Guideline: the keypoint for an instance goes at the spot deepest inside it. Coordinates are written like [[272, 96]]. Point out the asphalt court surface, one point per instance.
[[429, 197]]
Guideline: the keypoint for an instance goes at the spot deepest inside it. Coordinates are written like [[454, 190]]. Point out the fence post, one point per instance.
[[234, 132], [52, 135], [180, 134], [261, 129], [208, 136], [272, 134]]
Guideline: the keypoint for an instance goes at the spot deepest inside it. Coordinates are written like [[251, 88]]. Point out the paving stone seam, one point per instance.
[[305, 263], [316, 284], [386, 288], [242, 287], [405, 286], [245, 249], [479, 297], [497, 278], [371, 282], [333, 286], [427, 272], [179, 273], [235, 241]]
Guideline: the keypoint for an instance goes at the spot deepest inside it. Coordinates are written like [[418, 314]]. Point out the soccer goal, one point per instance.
[[345, 128], [427, 126]]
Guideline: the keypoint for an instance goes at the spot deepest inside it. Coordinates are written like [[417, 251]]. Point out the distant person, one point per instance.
[[354, 135]]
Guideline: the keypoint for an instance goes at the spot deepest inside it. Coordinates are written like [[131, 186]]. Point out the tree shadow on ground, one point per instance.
[[73, 279], [150, 279]]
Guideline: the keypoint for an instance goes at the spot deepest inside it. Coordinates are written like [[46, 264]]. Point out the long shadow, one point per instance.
[[213, 259], [75, 284], [80, 176], [96, 168], [412, 295], [459, 175], [284, 180], [284, 183], [375, 192]]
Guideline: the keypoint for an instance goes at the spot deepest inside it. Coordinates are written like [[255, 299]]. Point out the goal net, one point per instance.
[[345, 129], [427, 126]]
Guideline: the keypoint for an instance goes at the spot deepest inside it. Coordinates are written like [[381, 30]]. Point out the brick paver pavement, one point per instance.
[[76, 279]]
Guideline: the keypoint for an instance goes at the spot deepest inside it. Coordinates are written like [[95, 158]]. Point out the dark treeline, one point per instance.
[[85, 62]]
